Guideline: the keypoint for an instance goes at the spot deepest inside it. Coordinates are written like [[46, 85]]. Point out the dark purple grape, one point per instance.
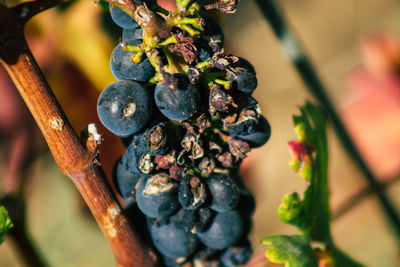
[[211, 41], [124, 107], [224, 230], [246, 64], [171, 241], [205, 216], [204, 52], [125, 181], [247, 203], [179, 103], [224, 192], [134, 153], [237, 255], [130, 35], [243, 76], [243, 123], [123, 68], [245, 120], [213, 34], [155, 139], [156, 196], [260, 134], [192, 192], [121, 18], [185, 219]]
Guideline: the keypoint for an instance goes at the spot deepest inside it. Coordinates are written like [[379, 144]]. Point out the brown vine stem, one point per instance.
[[73, 158]]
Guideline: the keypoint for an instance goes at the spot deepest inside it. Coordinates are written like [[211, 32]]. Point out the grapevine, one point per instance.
[[184, 110]]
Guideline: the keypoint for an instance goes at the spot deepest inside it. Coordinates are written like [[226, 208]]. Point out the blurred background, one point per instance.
[[355, 48]]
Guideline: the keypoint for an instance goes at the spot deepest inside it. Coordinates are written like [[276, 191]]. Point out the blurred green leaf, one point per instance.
[[290, 208], [311, 215], [5, 222], [293, 251]]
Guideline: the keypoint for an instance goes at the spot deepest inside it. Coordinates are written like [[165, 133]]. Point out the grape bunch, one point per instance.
[[184, 110]]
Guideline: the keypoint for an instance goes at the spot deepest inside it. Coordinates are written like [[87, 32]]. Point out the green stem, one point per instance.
[[214, 77], [182, 3], [224, 83], [193, 9], [303, 65], [195, 22], [203, 65], [168, 41], [173, 65], [155, 61], [132, 48], [189, 29]]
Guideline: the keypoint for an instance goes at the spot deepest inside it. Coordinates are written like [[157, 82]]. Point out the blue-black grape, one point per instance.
[[171, 241], [125, 181], [245, 120], [155, 139], [121, 18], [123, 68], [192, 193], [205, 216], [124, 107], [260, 134], [213, 33], [185, 219], [247, 203], [236, 255], [204, 52], [211, 41], [244, 123], [243, 77], [156, 195], [134, 153], [130, 35], [179, 103], [224, 230], [224, 192]]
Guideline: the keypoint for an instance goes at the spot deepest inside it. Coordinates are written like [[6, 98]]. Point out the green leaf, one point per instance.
[[290, 209], [293, 251], [5, 222], [311, 214]]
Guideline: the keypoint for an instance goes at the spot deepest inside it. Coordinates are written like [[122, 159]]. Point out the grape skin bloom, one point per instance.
[[124, 107]]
